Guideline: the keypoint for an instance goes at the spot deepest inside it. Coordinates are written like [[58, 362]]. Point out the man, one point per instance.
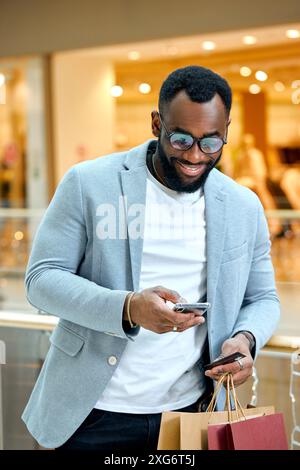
[[124, 238]]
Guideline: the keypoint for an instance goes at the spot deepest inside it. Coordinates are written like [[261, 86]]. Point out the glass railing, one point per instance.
[[18, 227]]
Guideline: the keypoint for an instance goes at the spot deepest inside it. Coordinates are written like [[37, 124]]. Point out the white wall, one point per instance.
[[83, 109]]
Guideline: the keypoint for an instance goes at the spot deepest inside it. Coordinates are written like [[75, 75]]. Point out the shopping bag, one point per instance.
[[188, 431], [262, 433], [246, 432], [169, 432]]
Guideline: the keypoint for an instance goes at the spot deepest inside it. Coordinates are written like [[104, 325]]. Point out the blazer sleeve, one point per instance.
[[51, 281], [260, 309]]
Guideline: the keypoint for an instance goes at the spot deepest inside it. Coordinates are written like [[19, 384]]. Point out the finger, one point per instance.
[[182, 326], [169, 329], [239, 376], [197, 320], [233, 368], [167, 294], [197, 312], [237, 366], [175, 318]]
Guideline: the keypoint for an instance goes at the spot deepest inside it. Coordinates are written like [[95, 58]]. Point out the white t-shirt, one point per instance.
[[158, 372]]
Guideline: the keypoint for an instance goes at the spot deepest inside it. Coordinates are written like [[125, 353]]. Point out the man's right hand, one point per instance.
[[148, 309]]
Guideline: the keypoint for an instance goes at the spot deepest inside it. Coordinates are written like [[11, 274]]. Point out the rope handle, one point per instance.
[[230, 392]]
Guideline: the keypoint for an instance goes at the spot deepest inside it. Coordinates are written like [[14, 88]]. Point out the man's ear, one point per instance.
[[227, 125], [155, 124]]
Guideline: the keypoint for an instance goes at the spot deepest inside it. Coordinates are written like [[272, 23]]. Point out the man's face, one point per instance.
[[186, 171]]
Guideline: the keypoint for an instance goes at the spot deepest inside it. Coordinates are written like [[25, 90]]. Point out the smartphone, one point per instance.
[[225, 360], [186, 307]]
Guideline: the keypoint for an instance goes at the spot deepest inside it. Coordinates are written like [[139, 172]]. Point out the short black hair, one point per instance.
[[199, 83]]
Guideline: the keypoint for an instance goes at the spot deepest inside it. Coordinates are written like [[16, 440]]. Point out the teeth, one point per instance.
[[190, 167]]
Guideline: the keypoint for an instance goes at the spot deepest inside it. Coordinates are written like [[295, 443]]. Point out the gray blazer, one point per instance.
[[84, 281]]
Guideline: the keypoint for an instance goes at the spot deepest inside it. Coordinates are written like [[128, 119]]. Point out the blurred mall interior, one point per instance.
[[79, 97]]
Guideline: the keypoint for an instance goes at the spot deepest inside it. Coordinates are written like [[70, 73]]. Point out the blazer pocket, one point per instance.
[[234, 253], [66, 340]]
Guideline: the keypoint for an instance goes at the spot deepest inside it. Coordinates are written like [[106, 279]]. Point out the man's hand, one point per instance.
[[148, 309], [237, 344]]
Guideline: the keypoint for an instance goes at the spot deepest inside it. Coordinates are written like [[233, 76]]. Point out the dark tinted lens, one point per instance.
[[181, 141], [211, 144]]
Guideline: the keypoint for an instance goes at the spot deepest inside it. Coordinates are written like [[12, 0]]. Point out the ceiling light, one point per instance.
[[116, 91], [279, 86], [19, 235], [134, 55], [295, 84], [208, 45], [261, 76], [245, 71], [249, 40], [293, 33], [254, 89], [144, 88], [2, 79]]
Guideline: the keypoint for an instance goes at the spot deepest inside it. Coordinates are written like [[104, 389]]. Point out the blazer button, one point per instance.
[[112, 360]]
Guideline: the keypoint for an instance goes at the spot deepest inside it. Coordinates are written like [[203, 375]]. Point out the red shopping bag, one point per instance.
[[254, 433], [261, 433], [266, 432], [217, 437]]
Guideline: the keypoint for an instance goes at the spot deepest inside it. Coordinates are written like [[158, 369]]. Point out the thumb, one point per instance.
[[168, 294], [228, 347]]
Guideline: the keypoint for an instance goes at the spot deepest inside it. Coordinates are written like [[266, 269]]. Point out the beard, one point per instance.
[[172, 178]]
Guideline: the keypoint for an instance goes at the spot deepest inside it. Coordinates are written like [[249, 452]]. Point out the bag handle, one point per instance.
[[230, 391], [237, 405], [213, 402]]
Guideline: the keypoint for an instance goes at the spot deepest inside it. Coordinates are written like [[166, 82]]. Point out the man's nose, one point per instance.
[[195, 155]]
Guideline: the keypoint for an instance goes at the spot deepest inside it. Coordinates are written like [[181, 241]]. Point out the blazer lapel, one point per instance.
[[215, 212], [134, 184]]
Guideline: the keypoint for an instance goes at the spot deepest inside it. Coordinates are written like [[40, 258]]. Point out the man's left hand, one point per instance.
[[240, 374]]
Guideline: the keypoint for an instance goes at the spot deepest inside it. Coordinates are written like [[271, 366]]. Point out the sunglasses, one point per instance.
[[184, 141]]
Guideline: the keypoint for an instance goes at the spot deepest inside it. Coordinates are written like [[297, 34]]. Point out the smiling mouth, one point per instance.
[[191, 170]]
